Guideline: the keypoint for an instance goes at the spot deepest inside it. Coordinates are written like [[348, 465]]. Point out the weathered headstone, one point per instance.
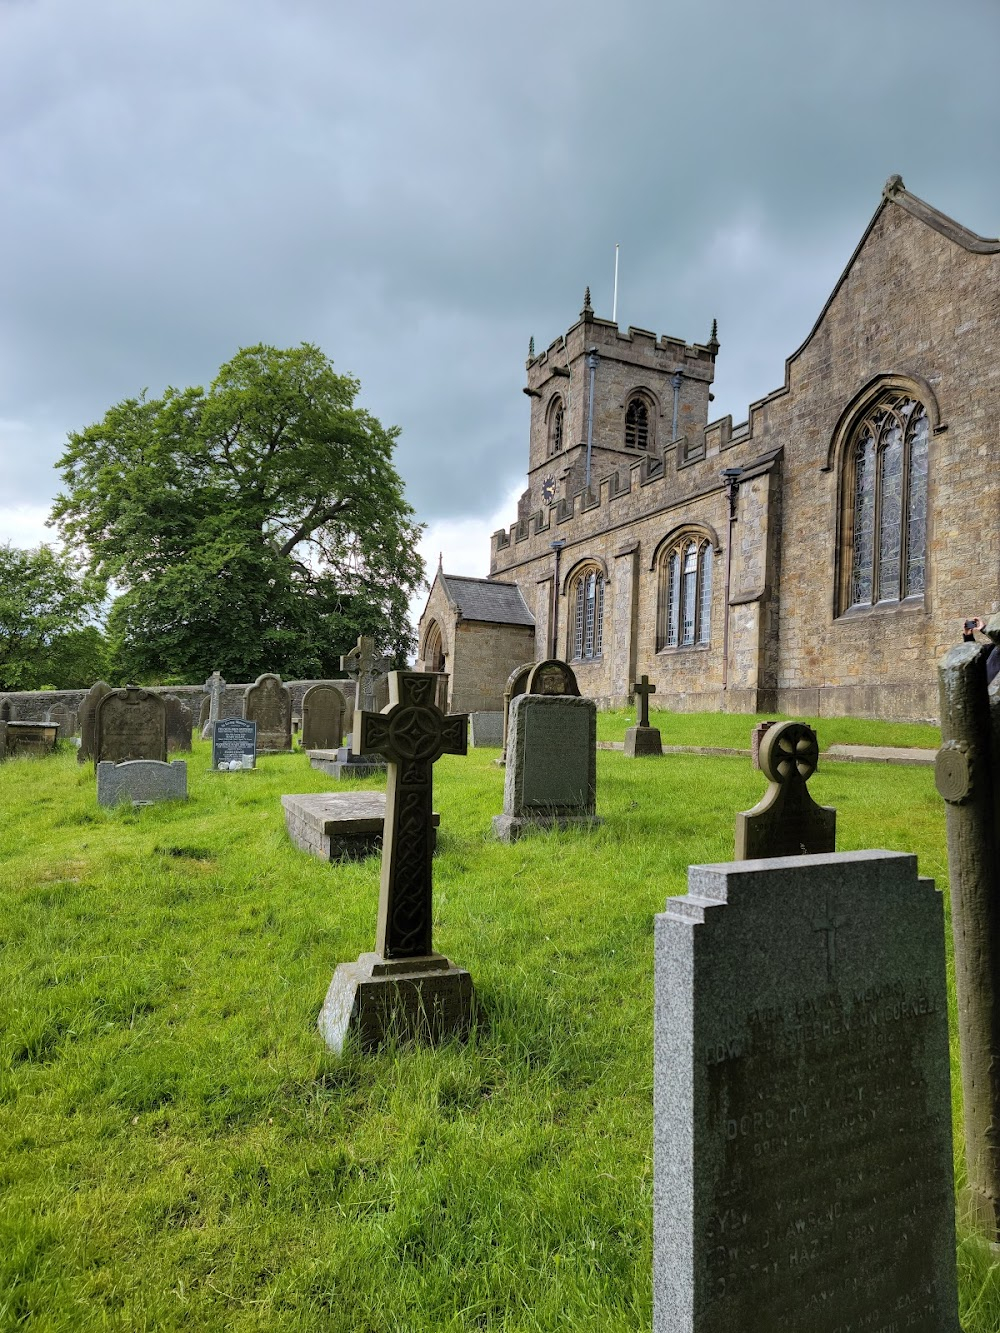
[[552, 677], [3, 739], [551, 778], [642, 739], [485, 729], [339, 826], [323, 709], [88, 719], [967, 775], [141, 781], [215, 687], [234, 744], [6, 711], [203, 711], [803, 1178], [757, 734], [404, 987], [364, 667], [787, 821], [130, 724], [64, 717], [179, 723], [517, 683], [38, 738], [269, 703]]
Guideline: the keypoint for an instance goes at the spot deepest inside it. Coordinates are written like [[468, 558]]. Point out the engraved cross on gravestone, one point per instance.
[[787, 822], [404, 988], [643, 690]]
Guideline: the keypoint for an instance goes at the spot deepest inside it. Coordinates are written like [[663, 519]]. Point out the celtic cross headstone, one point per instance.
[[364, 667], [787, 821], [214, 687], [642, 739], [404, 987]]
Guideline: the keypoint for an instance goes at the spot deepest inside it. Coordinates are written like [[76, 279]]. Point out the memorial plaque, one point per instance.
[[130, 724], [234, 743], [802, 1100]]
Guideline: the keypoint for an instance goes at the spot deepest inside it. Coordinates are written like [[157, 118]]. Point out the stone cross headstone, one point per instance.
[[787, 821], [269, 703], [323, 709], [404, 987], [130, 724], [234, 744], [214, 686], [363, 667], [88, 718], [967, 775], [551, 778], [802, 1148], [141, 781], [642, 739]]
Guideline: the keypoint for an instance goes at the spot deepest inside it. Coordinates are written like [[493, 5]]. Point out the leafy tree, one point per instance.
[[260, 526], [45, 606]]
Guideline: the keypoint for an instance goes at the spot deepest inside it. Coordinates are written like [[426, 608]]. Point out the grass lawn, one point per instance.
[[177, 1148]]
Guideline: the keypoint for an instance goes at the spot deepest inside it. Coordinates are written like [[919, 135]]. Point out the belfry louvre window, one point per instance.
[[684, 594], [588, 614], [556, 427], [885, 489], [637, 424]]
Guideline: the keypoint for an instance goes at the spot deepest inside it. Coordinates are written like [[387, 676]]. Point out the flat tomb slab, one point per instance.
[[339, 825], [342, 764]]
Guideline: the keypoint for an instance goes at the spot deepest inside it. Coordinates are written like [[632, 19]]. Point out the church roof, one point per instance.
[[482, 599]]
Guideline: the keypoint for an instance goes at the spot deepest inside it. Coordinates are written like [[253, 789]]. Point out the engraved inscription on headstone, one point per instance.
[[269, 703], [234, 744], [130, 724], [802, 1103], [551, 778]]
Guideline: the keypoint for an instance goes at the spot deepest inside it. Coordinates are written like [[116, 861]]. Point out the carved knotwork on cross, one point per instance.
[[787, 822], [643, 690], [363, 666], [412, 733]]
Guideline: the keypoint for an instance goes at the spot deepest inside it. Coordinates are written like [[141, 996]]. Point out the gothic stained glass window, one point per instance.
[[888, 485], [684, 594], [637, 425], [588, 619]]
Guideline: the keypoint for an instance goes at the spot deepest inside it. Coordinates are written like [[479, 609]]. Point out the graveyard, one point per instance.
[[181, 1149]]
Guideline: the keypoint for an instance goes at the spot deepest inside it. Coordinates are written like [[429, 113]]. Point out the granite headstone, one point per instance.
[[551, 777], [234, 744]]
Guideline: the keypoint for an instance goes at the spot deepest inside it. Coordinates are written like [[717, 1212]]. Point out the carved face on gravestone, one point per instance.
[[552, 677]]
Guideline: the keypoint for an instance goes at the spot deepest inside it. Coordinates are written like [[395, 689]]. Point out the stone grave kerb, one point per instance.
[[786, 821]]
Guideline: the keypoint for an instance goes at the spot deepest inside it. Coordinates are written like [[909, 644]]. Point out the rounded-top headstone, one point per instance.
[[552, 677]]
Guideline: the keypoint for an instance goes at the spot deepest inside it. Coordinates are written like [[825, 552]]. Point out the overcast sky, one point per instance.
[[418, 186]]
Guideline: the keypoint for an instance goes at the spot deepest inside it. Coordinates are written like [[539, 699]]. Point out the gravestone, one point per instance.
[[179, 723], [234, 744], [37, 738], [967, 776], [6, 713], [551, 778], [323, 709], [269, 703], [803, 1176], [88, 719], [62, 716], [485, 729], [364, 667], [203, 711], [130, 724], [516, 684], [552, 677], [757, 734], [3, 739], [339, 826], [141, 782], [215, 687], [404, 987], [642, 739], [787, 821]]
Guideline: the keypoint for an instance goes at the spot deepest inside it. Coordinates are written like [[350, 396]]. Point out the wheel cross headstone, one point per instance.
[[643, 690], [404, 988], [787, 821], [412, 734], [363, 666]]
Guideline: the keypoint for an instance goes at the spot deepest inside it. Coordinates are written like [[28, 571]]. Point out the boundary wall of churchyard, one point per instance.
[[34, 705]]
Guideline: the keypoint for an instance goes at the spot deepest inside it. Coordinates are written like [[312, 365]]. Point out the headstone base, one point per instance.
[[342, 764], [511, 828], [641, 741], [408, 999], [340, 826]]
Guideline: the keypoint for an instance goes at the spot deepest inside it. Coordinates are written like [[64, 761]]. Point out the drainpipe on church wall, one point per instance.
[[676, 382], [556, 547], [731, 485], [592, 360]]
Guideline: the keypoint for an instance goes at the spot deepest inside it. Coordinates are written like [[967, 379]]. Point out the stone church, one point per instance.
[[815, 559]]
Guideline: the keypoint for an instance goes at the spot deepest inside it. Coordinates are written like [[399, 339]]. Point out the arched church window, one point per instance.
[[433, 653], [587, 601], [637, 432], [885, 489], [684, 592], [556, 417]]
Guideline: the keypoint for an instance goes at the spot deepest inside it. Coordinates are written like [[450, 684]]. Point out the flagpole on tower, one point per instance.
[[614, 303]]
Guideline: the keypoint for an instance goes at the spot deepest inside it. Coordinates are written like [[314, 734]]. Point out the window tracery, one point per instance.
[[684, 593], [587, 601], [556, 420]]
